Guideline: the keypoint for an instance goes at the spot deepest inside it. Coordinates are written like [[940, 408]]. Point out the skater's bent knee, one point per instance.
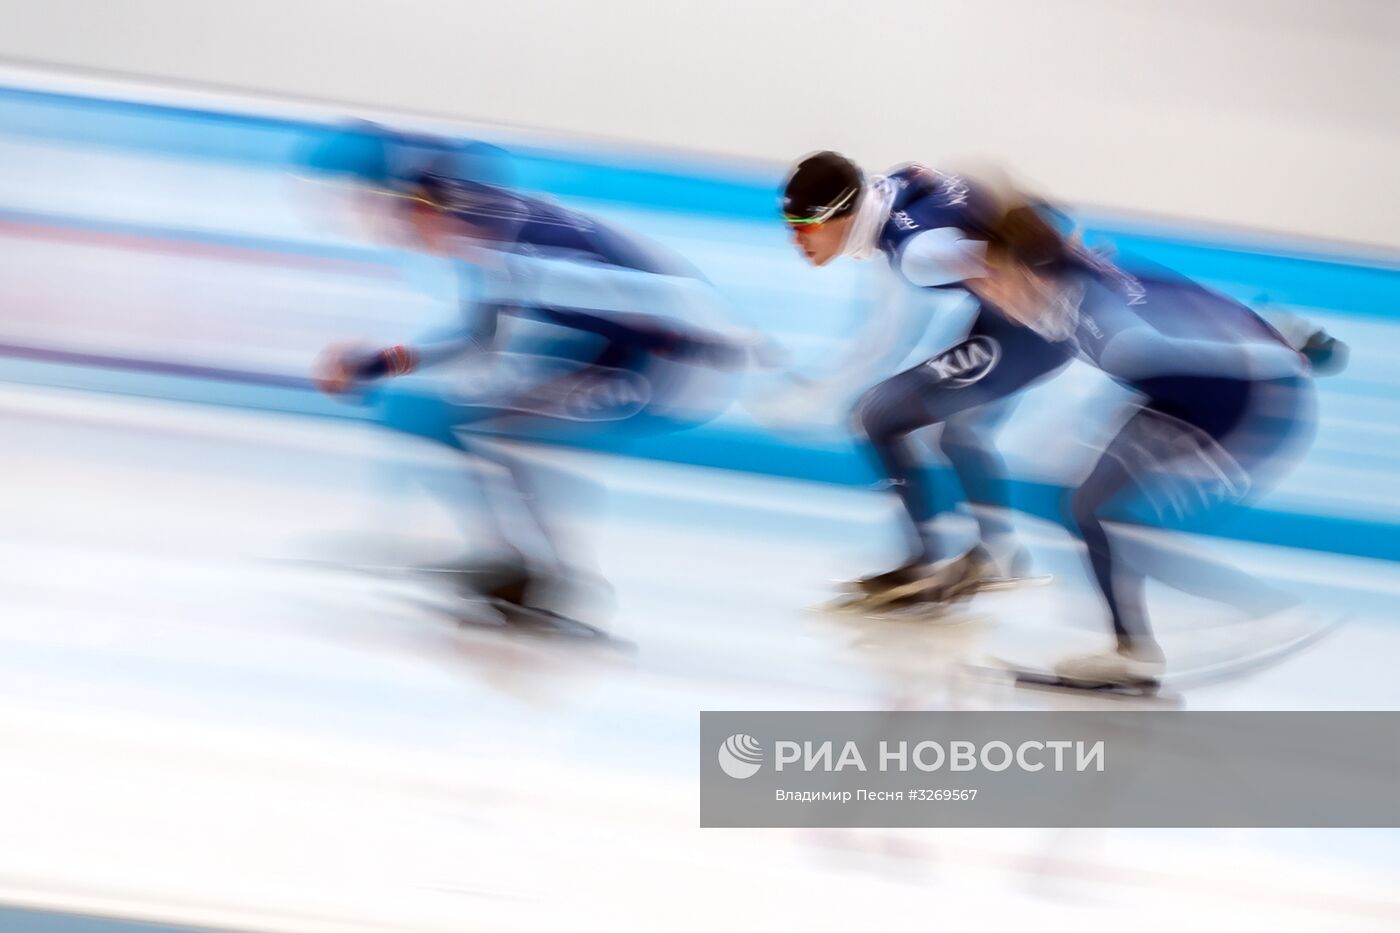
[[869, 418], [1082, 513], [881, 415]]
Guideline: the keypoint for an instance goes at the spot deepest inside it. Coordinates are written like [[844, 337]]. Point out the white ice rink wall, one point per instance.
[[1280, 115]]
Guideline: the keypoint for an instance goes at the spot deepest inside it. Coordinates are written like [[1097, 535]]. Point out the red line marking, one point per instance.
[[190, 249]]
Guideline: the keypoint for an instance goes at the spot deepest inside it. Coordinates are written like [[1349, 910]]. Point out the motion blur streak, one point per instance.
[[267, 665]]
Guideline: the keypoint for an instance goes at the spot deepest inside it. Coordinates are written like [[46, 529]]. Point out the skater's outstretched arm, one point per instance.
[[1142, 352], [1134, 349], [342, 367], [601, 296], [1326, 354], [897, 321]]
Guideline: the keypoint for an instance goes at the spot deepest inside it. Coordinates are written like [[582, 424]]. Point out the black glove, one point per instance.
[[1327, 355]]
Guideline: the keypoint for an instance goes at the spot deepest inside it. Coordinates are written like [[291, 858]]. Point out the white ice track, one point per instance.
[[203, 727]]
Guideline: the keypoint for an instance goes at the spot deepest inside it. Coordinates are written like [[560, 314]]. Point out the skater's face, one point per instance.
[[822, 242], [430, 229], [347, 207], [396, 218]]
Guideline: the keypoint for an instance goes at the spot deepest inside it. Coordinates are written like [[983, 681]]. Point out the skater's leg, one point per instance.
[[470, 493], [539, 504], [621, 385], [514, 500], [1274, 425], [1120, 585], [967, 441], [459, 485], [994, 362], [1136, 658], [489, 493], [1213, 449], [886, 416], [1019, 358]]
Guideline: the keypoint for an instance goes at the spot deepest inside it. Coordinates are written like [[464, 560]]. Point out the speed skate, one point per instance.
[[1193, 669], [911, 603]]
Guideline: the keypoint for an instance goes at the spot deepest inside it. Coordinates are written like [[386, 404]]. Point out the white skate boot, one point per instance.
[[1120, 667]]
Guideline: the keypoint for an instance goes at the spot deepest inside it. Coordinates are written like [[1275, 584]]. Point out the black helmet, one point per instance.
[[417, 165], [822, 187]]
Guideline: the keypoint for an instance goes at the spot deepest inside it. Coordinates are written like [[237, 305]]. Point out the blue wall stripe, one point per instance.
[[1304, 278]]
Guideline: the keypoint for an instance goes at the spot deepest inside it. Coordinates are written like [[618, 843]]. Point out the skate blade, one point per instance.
[[944, 615], [464, 613], [1146, 688], [847, 604], [856, 603], [852, 587], [937, 615], [913, 587], [546, 623], [997, 584], [876, 606], [902, 592], [1027, 678]]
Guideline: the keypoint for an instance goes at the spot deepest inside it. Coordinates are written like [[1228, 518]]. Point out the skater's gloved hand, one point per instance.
[[342, 367], [332, 371], [1326, 354], [339, 366]]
